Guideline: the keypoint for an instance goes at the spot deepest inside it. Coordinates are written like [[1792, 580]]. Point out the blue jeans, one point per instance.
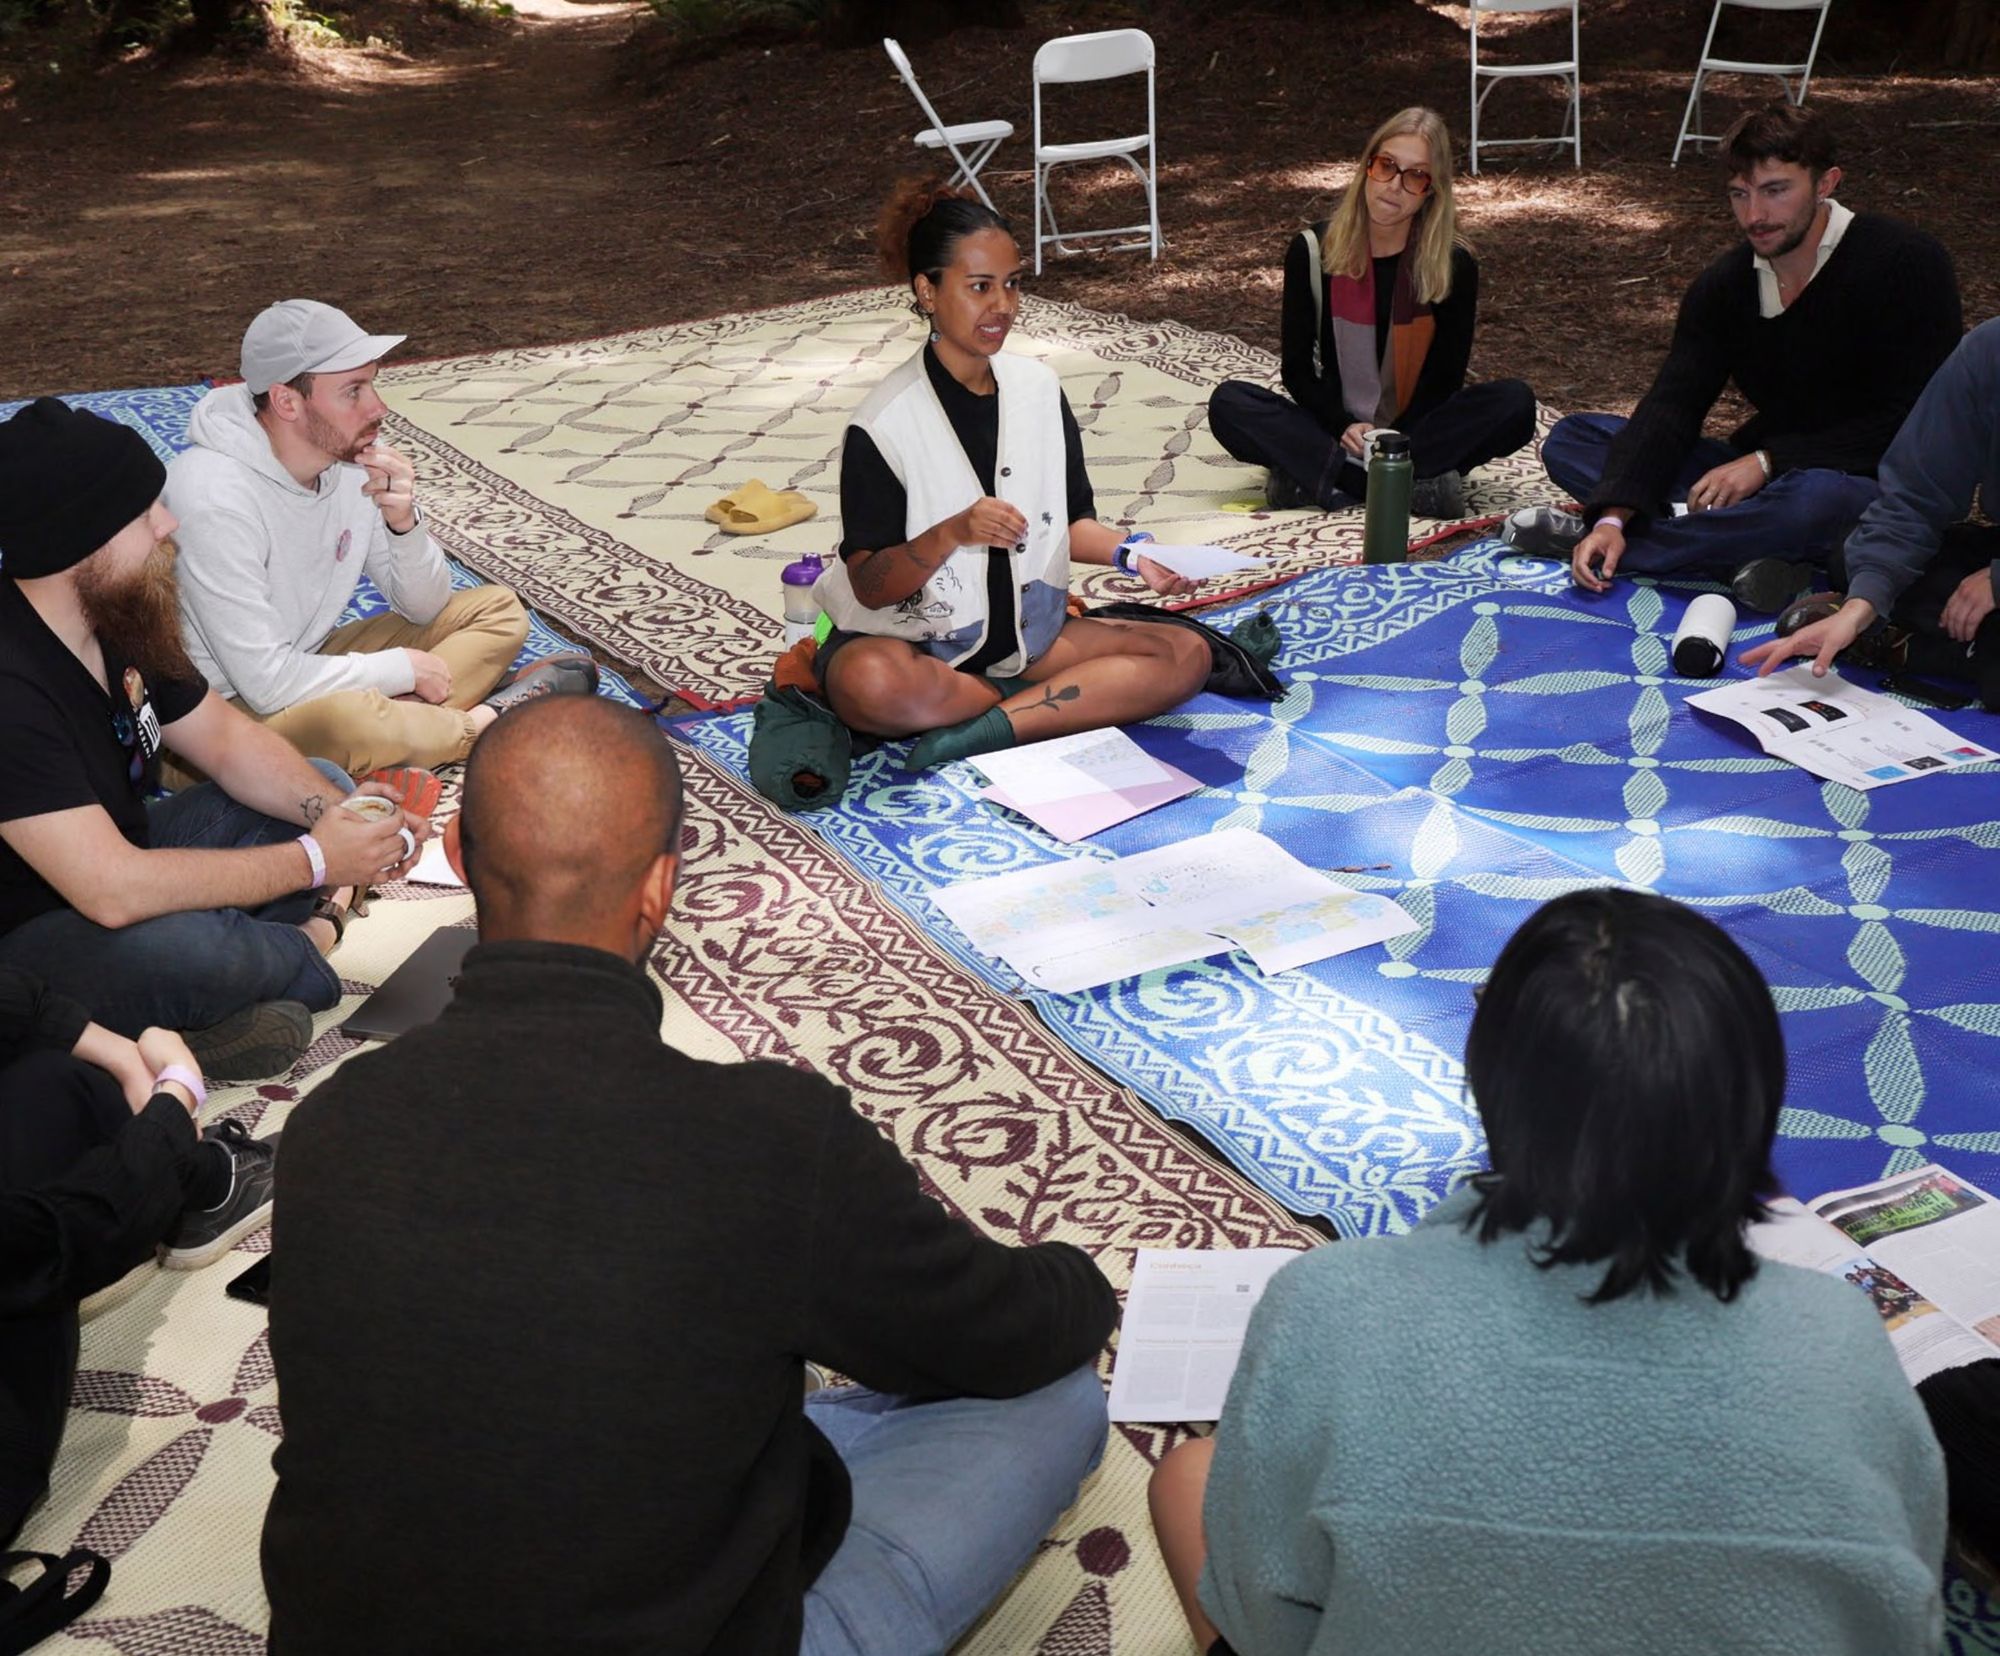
[[950, 1500], [194, 968], [1801, 515]]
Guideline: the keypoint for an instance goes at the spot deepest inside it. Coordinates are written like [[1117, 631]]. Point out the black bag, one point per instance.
[[30, 1614]]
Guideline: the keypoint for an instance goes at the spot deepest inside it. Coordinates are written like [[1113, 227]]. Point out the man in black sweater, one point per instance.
[[541, 1364], [1829, 322]]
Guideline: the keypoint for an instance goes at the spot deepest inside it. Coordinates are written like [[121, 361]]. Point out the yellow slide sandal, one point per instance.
[[762, 516], [753, 496]]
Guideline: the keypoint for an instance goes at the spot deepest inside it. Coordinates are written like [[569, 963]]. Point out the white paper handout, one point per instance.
[[1838, 730], [1079, 785], [1075, 925], [1198, 563], [1926, 1340], [1183, 1329], [433, 867], [1925, 1248]]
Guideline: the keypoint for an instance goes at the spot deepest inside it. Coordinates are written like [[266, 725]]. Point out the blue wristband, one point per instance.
[[1121, 559]]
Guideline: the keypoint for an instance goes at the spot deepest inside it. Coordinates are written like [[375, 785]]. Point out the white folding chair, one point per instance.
[[979, 138], [1493, 74], [1782, 73], [1107, 55]]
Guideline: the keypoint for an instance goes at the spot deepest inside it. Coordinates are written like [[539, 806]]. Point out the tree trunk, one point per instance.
[[1971, 31]]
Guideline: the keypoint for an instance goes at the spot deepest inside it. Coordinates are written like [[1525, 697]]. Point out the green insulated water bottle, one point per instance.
[[1385, 533]]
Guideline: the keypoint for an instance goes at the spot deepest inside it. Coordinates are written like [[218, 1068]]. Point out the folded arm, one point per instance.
[[227, 603]]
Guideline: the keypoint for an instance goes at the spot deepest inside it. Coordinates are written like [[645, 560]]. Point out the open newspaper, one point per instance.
[[1924, 1246], [1839, 730]]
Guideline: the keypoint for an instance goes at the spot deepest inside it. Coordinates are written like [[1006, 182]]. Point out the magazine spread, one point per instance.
[[1838, 730], [1924, 1246]]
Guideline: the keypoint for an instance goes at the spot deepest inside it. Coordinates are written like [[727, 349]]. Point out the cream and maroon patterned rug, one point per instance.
[[777, 949], [578, 474]]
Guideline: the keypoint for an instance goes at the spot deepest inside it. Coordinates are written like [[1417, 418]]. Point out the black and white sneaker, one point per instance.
[[261, 1040], [204, 1235], [570, 673], [1767, 586], [1281, 494], [1543, 531], [1442, 496]]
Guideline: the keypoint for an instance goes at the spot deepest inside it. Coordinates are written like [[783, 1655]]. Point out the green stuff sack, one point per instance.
[[799, 752]]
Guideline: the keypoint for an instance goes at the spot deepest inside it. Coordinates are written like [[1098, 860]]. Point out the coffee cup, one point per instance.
[[1368, 442], [377, 809]]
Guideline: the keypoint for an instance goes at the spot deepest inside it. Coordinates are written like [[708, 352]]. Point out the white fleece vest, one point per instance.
[[947, 616]]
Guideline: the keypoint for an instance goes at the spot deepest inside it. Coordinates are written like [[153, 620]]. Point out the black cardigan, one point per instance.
[[1831, 378], [541, 1295], [64, 1240], [1319, 393]]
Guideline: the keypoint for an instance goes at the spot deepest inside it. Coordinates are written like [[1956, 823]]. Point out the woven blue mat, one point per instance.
[[160, 415], [1496, 739]]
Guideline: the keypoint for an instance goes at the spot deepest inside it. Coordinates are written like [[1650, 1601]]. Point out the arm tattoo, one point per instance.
[[312, 808], [865, 574]]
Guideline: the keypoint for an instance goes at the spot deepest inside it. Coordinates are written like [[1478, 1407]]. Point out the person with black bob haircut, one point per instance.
[[1572, 1411], [963, 500]]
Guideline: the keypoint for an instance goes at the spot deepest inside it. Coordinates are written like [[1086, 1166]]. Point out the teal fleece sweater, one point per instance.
[[1433, 1448]]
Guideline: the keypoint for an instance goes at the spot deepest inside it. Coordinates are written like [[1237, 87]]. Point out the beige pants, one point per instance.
[[477, 635]]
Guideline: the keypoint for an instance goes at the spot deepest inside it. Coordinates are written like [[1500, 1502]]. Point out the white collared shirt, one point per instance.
[[1838, 218]]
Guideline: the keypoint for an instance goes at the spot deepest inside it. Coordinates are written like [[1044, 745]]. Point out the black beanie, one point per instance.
[[69, 481]]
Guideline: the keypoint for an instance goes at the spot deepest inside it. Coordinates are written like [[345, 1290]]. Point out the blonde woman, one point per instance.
[[1377, 331]]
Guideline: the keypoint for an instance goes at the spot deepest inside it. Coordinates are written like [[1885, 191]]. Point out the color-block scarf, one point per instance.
[[1378, 391]]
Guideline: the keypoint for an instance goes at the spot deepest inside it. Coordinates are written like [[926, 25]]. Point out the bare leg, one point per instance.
[[1100, 673], [1096, 674], [889, 688], [1174, 1497]]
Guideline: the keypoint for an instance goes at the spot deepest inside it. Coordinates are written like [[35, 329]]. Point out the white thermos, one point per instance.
[[1702, 640]]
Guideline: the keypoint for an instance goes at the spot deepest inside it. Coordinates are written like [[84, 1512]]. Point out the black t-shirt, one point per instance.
[[68, 743], [1385, 301], [874, 506]]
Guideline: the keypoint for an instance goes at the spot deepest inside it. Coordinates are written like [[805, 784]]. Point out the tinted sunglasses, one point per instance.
[[1417, 180]]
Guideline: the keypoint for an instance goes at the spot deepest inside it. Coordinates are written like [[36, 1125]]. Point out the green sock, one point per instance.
[[1008, 686], [988, 733]]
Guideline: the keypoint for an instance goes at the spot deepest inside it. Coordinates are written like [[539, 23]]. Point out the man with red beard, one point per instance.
[[1829, 322], [286, 497], [208, 911]]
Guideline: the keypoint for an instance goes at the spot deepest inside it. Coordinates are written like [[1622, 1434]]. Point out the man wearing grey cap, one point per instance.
[[286, 498]]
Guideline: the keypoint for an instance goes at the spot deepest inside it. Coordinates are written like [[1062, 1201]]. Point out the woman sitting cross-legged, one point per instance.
[[1572, 1413], [963, 498], [1377, 331]]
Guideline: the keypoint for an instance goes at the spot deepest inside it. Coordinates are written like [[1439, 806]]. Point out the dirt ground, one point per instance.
[[552, 178]]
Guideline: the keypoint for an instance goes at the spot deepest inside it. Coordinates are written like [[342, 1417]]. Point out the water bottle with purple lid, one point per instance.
[[801, 607]]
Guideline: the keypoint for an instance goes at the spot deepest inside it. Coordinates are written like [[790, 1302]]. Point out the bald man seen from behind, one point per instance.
[[545, 1288]]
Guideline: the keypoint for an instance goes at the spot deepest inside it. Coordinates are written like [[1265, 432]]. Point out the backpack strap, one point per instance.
[[1310, 236], [30, 1614]]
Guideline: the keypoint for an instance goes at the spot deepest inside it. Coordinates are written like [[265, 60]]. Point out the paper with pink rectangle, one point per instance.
[[1076, 786]]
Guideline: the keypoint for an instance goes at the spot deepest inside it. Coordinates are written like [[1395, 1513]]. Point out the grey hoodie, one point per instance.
[[268, 566]]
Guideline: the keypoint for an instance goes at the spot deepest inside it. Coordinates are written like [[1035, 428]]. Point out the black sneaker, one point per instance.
[[1543, 531], [571, 674], [1281, 494], [1766, 585], [1442, 496], [204, 1235], [1880, 645], [261, 1040]]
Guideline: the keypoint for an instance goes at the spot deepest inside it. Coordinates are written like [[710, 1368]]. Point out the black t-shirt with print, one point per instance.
[[65, 742], [874, 505]]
